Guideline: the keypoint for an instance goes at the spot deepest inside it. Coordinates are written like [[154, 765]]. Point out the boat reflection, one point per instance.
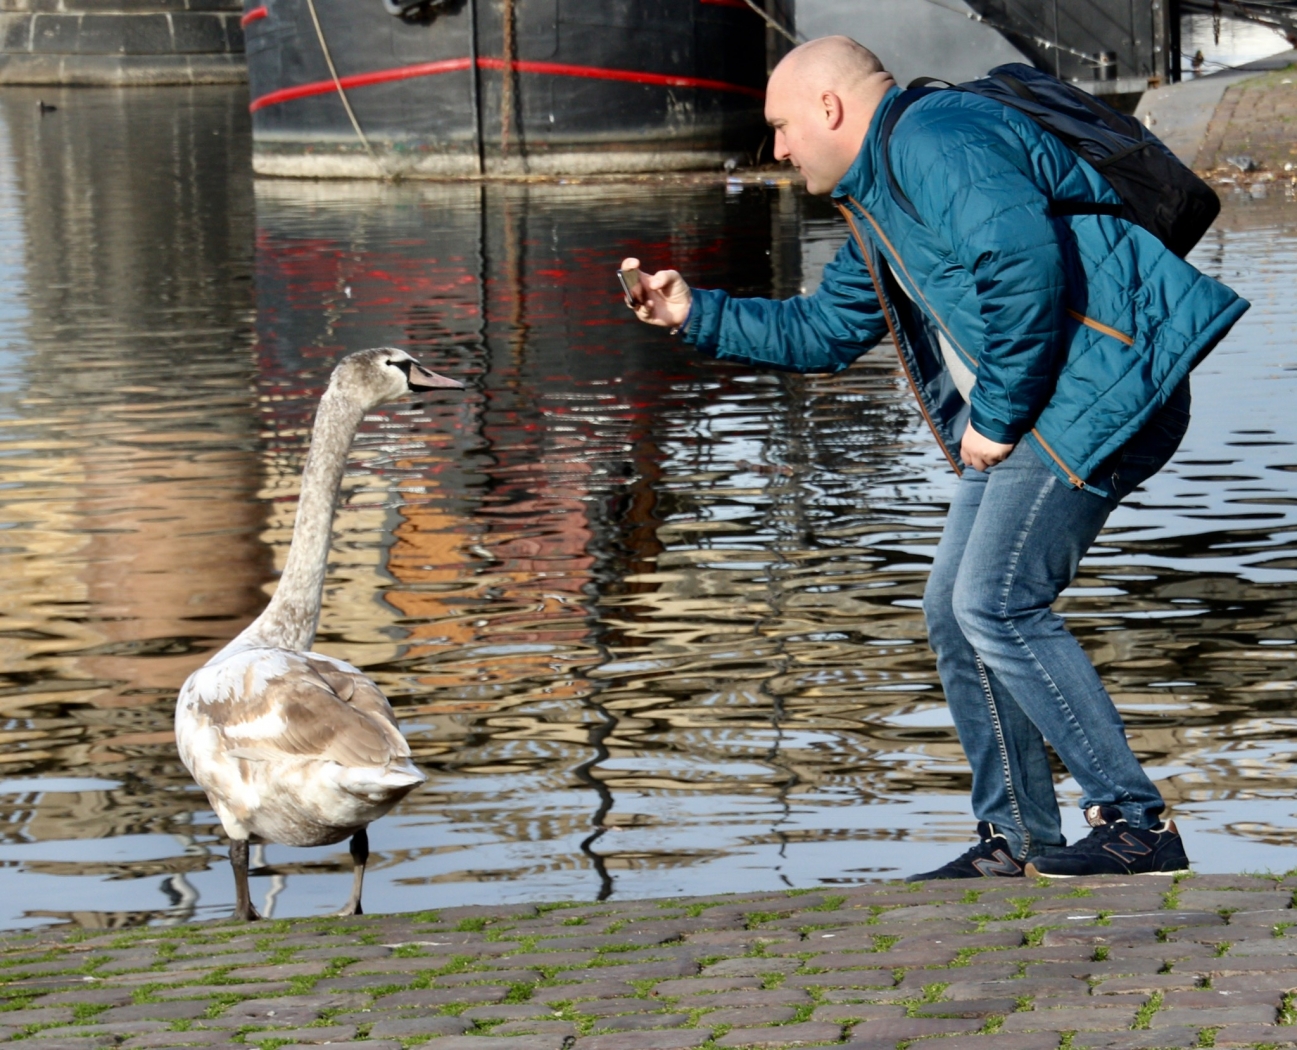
[[521, 509]]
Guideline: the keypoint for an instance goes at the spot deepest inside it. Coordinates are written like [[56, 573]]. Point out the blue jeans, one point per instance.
[[1013, 674]]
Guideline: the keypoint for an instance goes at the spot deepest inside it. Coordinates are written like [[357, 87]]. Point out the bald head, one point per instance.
[[835, 62], [820, 101]]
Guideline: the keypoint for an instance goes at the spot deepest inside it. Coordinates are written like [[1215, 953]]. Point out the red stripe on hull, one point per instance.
[[451, 65], [381, 76], [258, 13]]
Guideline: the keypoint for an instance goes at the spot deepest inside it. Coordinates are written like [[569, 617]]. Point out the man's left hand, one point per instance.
[[981, 453]]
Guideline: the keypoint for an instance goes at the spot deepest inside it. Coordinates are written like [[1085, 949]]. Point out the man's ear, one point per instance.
[[834, 113]]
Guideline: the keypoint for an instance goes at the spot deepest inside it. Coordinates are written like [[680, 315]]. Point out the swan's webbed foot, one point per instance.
[[359, 857], [243, 909]]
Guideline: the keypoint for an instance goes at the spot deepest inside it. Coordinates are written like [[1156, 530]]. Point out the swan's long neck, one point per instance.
[[290, 620]]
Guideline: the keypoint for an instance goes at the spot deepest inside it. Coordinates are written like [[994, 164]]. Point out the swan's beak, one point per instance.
[[422, 379]]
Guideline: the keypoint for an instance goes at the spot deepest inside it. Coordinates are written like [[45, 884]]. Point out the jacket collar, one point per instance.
[[859, 179]]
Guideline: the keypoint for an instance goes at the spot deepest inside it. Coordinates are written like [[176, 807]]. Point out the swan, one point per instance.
[[292, 746]]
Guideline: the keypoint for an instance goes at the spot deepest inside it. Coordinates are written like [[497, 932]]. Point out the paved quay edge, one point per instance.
[[1104, 963]]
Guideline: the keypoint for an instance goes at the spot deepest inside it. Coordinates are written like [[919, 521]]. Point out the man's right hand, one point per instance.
[[661, 298]]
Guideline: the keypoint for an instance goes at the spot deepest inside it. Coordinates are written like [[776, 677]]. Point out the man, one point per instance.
[[1050, 355]]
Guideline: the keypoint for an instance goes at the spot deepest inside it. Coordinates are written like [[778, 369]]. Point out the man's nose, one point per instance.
[[780, 147]]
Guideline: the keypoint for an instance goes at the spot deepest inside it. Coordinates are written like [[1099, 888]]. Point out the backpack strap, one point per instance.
[[1016, 86], [907, 98], [918, 88], [1104, 113], [1059, 208]]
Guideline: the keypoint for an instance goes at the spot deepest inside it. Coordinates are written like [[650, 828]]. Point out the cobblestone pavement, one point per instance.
[[1012, 964], [1256, 118]]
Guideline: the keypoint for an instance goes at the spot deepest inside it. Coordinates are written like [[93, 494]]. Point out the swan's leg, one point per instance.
[[359, 856], [243, 908]]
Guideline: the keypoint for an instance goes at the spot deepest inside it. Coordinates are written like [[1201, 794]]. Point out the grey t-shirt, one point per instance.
[[965, 378]]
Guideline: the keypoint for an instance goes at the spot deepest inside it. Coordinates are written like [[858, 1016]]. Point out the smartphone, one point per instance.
[[629, 280]]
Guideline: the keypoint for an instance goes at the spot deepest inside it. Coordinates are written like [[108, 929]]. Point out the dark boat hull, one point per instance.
[[592, 86]]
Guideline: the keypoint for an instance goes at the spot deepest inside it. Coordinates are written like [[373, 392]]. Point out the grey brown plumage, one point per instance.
[[293, 746]]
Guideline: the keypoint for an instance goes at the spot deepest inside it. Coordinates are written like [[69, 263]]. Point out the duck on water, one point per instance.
[[292, 746]]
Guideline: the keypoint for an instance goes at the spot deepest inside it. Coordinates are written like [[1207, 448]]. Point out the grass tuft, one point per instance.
[[1035, 937], [1021, 907], [644, 986], [1144, 1016]]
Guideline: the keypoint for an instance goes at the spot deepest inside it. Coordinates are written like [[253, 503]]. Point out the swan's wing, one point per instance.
[[362, 694], [304, 706], [292, 747]]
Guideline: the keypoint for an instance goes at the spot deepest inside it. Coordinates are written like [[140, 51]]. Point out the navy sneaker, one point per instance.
[[1115, 848], [990, 858]]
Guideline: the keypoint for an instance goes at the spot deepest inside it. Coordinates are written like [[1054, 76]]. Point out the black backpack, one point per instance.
[[1157, 190]]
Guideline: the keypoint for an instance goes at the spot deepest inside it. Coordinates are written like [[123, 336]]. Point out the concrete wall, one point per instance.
[[121, 42]]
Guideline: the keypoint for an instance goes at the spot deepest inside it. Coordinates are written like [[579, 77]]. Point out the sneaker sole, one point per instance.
[[1032, 873]]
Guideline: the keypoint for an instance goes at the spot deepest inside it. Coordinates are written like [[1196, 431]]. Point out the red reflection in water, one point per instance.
[[528, 495]]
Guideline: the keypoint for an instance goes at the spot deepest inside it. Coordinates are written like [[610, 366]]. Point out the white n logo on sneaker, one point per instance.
[[1000, 863], [1128, 848]]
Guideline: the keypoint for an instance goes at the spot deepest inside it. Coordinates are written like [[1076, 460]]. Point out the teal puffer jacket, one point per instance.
[[1078, 327]]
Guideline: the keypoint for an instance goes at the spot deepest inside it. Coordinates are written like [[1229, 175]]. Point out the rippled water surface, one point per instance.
[[651, 623]]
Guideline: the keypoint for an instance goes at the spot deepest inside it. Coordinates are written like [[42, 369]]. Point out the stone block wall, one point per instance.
[[121, 42]]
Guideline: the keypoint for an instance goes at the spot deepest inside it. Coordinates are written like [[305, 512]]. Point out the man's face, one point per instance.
[[803, 134]]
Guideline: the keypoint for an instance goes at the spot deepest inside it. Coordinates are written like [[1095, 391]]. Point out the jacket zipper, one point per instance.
[[887, 316], [1072, 477], [918, 291], [1099, 326]]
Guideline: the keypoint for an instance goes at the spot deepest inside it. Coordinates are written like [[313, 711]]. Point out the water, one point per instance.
[[650, 623], [1225, 43]]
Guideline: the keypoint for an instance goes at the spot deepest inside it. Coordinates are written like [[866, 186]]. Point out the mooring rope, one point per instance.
[[342, 94], [773, 24], [507, 74]]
